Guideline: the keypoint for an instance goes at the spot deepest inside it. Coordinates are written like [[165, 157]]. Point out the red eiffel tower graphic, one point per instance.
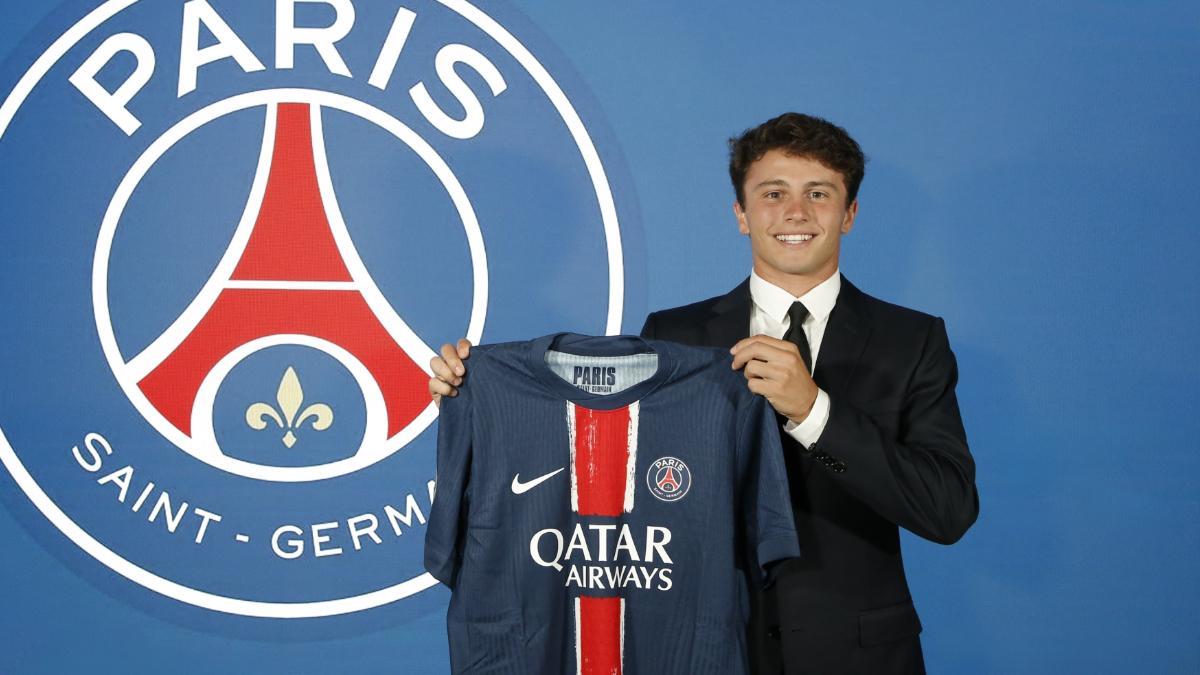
[[669, 482], [291, 279]]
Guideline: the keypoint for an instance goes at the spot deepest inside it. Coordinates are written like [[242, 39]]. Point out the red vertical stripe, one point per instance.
[[600, 636], [601, 467], [601, 459]]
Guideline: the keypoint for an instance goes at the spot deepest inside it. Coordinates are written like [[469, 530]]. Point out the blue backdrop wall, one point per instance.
[[1032, 179]]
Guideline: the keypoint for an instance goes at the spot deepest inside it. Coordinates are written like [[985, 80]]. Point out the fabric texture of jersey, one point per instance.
[[590, 532]]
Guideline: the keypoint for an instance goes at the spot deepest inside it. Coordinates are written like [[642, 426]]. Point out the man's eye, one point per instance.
[[773, 194], [817, 194]]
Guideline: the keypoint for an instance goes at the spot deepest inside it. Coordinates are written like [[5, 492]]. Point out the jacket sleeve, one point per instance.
[[921, 475], [451, 503]]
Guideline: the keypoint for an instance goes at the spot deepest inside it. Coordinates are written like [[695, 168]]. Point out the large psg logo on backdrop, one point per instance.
[[233, 233]]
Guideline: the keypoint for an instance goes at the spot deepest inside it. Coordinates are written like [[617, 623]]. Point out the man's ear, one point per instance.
[[848, 221], [741, 217]]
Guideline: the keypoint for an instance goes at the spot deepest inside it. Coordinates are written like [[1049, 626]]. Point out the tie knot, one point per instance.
[[797, 313]]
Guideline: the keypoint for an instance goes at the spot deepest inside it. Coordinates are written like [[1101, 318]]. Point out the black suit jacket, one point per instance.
[[893, 453]]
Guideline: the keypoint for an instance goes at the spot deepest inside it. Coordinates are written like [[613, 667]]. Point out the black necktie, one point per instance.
[[795, 332]]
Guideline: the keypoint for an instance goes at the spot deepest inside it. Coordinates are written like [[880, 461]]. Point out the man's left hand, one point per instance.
[[774, 369]]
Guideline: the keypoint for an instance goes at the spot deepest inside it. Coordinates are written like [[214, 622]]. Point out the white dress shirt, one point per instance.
[[769, 316]]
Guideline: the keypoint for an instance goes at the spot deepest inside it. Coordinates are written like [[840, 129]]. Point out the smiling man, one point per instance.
[[864, 390]]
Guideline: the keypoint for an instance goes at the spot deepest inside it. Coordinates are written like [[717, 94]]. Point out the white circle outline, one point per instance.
[[220, 603]]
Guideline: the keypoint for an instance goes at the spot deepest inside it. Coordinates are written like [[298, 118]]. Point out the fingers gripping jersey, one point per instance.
[[601, 505]]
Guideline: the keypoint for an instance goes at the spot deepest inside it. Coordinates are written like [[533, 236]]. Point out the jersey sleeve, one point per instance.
[[447, 516], [766, 501]]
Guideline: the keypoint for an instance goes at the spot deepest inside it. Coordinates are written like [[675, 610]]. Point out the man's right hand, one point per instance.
[[448, 370]]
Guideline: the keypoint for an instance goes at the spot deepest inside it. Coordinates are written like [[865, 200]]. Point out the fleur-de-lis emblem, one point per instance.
[[290, 397]]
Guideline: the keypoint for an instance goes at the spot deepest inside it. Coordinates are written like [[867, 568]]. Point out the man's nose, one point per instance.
[[797, 211]]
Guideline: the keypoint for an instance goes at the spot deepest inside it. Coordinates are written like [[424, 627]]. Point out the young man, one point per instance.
[[864, 390]]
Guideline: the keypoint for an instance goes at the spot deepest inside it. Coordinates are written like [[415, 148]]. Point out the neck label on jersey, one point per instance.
[[602, 374], [595, 379]]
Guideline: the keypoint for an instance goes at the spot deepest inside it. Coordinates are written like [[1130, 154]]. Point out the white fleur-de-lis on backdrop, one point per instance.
[[290, 397]]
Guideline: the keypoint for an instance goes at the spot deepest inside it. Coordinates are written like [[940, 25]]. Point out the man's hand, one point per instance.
[[448, 370], [774, 369]]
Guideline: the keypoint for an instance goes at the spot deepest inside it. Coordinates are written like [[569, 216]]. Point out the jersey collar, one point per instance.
[[587, 345]]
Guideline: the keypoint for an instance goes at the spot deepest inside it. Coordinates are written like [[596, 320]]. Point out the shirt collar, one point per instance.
[[776, 302]]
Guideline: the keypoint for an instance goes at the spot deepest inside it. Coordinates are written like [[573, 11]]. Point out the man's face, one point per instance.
[[795, 215]]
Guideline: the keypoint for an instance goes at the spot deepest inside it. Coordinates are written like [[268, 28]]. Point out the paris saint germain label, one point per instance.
[[234, 234], [669, 479]]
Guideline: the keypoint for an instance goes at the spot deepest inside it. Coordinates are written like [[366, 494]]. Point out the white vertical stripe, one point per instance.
[[578, 638], [571, 466], [623, 632], [631, 465]]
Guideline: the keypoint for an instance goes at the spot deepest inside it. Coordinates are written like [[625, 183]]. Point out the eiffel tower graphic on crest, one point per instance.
[[291, 275]]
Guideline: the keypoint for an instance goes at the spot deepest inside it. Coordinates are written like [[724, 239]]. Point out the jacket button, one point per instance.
[[773, 632]]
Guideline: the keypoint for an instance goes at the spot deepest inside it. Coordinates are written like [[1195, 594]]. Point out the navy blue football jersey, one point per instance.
[[601, 505]]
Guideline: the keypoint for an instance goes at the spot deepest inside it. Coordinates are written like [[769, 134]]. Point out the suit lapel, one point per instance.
[[845, 337], [731, 317]]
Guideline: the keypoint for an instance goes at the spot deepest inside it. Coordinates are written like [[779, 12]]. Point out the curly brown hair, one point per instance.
[[799, 135]]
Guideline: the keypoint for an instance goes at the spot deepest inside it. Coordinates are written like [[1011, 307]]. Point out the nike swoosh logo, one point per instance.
[[521, 488]]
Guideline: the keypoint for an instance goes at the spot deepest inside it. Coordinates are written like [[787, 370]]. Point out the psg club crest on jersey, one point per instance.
[[234, 232], [669, 479]]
